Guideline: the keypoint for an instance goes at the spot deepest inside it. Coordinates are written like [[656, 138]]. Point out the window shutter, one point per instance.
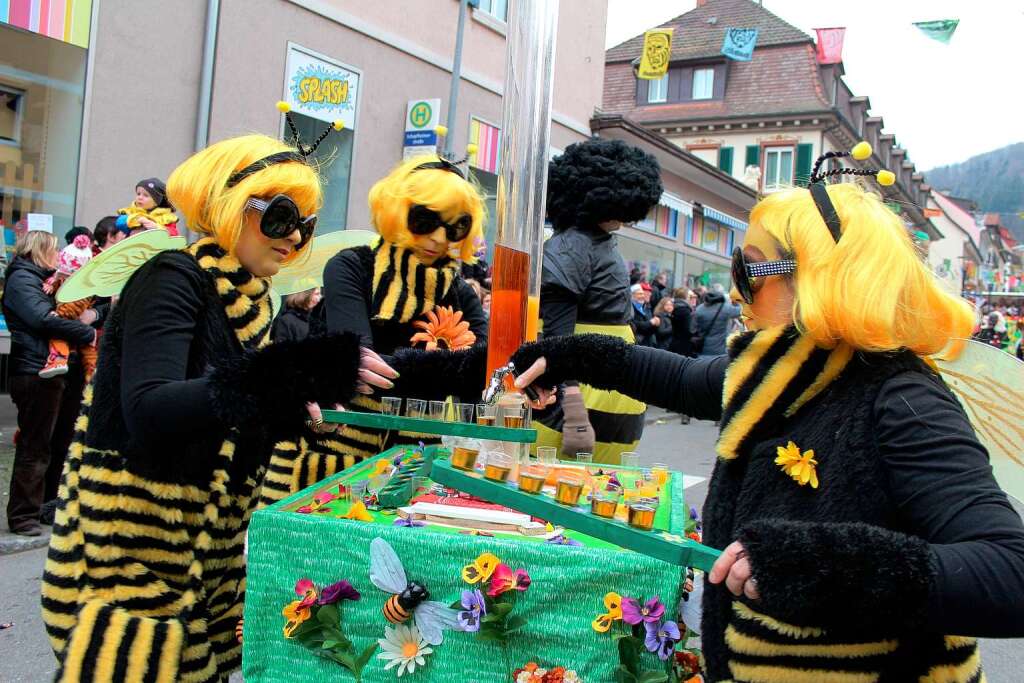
[[725, 159], [753, 156], [803, 164], [641, 91]]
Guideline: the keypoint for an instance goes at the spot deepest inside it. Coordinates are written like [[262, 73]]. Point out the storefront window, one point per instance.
[[707, 273], [648, 259], [42, 83], [334, 158], [488, 183]]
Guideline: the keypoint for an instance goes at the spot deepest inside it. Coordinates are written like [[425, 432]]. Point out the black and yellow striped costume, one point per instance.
[[145, 575], [781, 388], [376, 293]]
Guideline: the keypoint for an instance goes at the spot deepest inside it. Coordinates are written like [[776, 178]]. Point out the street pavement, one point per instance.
[[25, 655]]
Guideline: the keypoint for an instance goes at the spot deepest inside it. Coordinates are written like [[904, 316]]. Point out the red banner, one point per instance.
[[830, 45]]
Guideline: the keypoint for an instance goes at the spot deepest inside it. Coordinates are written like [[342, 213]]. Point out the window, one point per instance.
[[496, 8], [703, 83], [778, 168], [10, 114], [657, 91]]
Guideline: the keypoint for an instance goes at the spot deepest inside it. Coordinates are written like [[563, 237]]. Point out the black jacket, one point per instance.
[[291, 325], [27, 310], [173, 379], [584, 280], [643, 329], [682, 328]]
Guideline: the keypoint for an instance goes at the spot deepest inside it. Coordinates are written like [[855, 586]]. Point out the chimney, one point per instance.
[[701, 3]]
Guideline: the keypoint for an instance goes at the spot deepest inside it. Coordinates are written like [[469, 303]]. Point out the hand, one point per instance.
[[656, 321], [147, 224], [88, 316], [374, 372], [545, 397], [316, 422], [734, 568]]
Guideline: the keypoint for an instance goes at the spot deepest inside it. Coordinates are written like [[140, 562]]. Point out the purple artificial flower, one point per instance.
[[613, 479], [693, 514], [662, 638], [402, 521], [336, 592], [562, 539], [650, 612], [475, 610]]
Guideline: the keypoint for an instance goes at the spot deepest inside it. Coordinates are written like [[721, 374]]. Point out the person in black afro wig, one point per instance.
[[601, 180]]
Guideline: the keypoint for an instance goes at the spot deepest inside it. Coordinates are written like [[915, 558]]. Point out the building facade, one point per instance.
[[764, 121], [956, 258]]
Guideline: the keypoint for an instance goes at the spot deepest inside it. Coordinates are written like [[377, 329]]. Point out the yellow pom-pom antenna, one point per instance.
[[471, 148], [861, 151], [441, 130], [338, 124], [886, 178], [283, 107]]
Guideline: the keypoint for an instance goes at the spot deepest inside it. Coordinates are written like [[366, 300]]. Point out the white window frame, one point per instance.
[[495, 8], [777, 152], [662, 90], [707, 92]]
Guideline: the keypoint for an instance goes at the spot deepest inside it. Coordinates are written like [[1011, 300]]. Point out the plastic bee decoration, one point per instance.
[[408, 598]]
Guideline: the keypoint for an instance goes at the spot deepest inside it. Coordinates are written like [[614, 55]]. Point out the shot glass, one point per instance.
[[437, 410], [604, 501], [659, 471], [415, 407], [391, 405], [464, 455], [514, 416], [547, 455], [568, 488], [498, 466], [640, 513], [462, 412], [485, 414], [583, 458], [630, 459], [531, 478]]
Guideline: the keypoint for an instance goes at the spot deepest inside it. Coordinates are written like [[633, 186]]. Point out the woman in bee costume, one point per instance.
[[864, 536], [145, 575]]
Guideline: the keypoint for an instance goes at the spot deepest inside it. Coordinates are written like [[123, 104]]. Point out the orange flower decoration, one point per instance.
[[443, 329]]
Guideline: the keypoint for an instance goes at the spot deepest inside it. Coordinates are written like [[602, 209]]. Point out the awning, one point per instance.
[[677, 204], [724, 219]]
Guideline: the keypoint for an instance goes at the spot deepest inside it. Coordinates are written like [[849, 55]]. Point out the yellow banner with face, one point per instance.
[[656, 54]]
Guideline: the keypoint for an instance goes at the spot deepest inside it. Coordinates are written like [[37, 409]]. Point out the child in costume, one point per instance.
[[860, 521], [593, 189], [71, 258], [404, 292], [145, 575], [149, 210]]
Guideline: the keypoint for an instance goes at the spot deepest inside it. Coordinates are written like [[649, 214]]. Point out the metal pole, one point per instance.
[[453, 92], [206, 75]]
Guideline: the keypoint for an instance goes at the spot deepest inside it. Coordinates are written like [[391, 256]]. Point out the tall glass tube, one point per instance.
[[522, 178]]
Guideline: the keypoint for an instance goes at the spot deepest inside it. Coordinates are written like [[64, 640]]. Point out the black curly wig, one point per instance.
[[600, 180]]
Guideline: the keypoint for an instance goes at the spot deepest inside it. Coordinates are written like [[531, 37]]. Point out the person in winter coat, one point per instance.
[[864, 536], [46, 406], [145, 575], [292, 324], [682, 321], [645, 323], [712, 321], [663, 333], [594, 188]]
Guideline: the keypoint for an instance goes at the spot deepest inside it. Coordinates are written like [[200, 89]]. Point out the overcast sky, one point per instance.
[[944, 103]]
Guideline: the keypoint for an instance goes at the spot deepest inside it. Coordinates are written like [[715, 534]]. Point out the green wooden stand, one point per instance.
[[686, 553], [425, 426]]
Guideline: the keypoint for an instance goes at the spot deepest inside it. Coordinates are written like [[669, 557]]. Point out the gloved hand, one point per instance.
[[577, 434]]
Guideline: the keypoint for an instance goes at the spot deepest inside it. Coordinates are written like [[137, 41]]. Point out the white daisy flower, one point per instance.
[[404, 647]]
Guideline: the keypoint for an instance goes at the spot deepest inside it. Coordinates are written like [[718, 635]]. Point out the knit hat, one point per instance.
[[75, 255], [644, 286], [633, 289], [156, 189]]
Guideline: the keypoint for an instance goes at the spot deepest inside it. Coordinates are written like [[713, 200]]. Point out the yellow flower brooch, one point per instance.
[[802, 467]]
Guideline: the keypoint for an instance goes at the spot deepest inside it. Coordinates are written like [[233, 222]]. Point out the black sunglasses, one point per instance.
[[280, 218], [423, 221], [748, 276]]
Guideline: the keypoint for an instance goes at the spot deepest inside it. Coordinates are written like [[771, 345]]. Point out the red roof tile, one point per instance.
[[696, 37]]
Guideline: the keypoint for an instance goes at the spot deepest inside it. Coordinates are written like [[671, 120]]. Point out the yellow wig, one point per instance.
[[437, 189], [198, 187], [871, 290]]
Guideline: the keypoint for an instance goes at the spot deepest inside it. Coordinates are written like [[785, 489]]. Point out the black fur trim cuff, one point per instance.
[[270, 387], [595, 359], [435, 375], [844, 576]]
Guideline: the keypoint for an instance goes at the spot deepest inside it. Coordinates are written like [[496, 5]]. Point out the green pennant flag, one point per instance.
[[940, 30]]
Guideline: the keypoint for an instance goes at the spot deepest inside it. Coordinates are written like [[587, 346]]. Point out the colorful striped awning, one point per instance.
[[487, 139], [724, 219], [64, 20]]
